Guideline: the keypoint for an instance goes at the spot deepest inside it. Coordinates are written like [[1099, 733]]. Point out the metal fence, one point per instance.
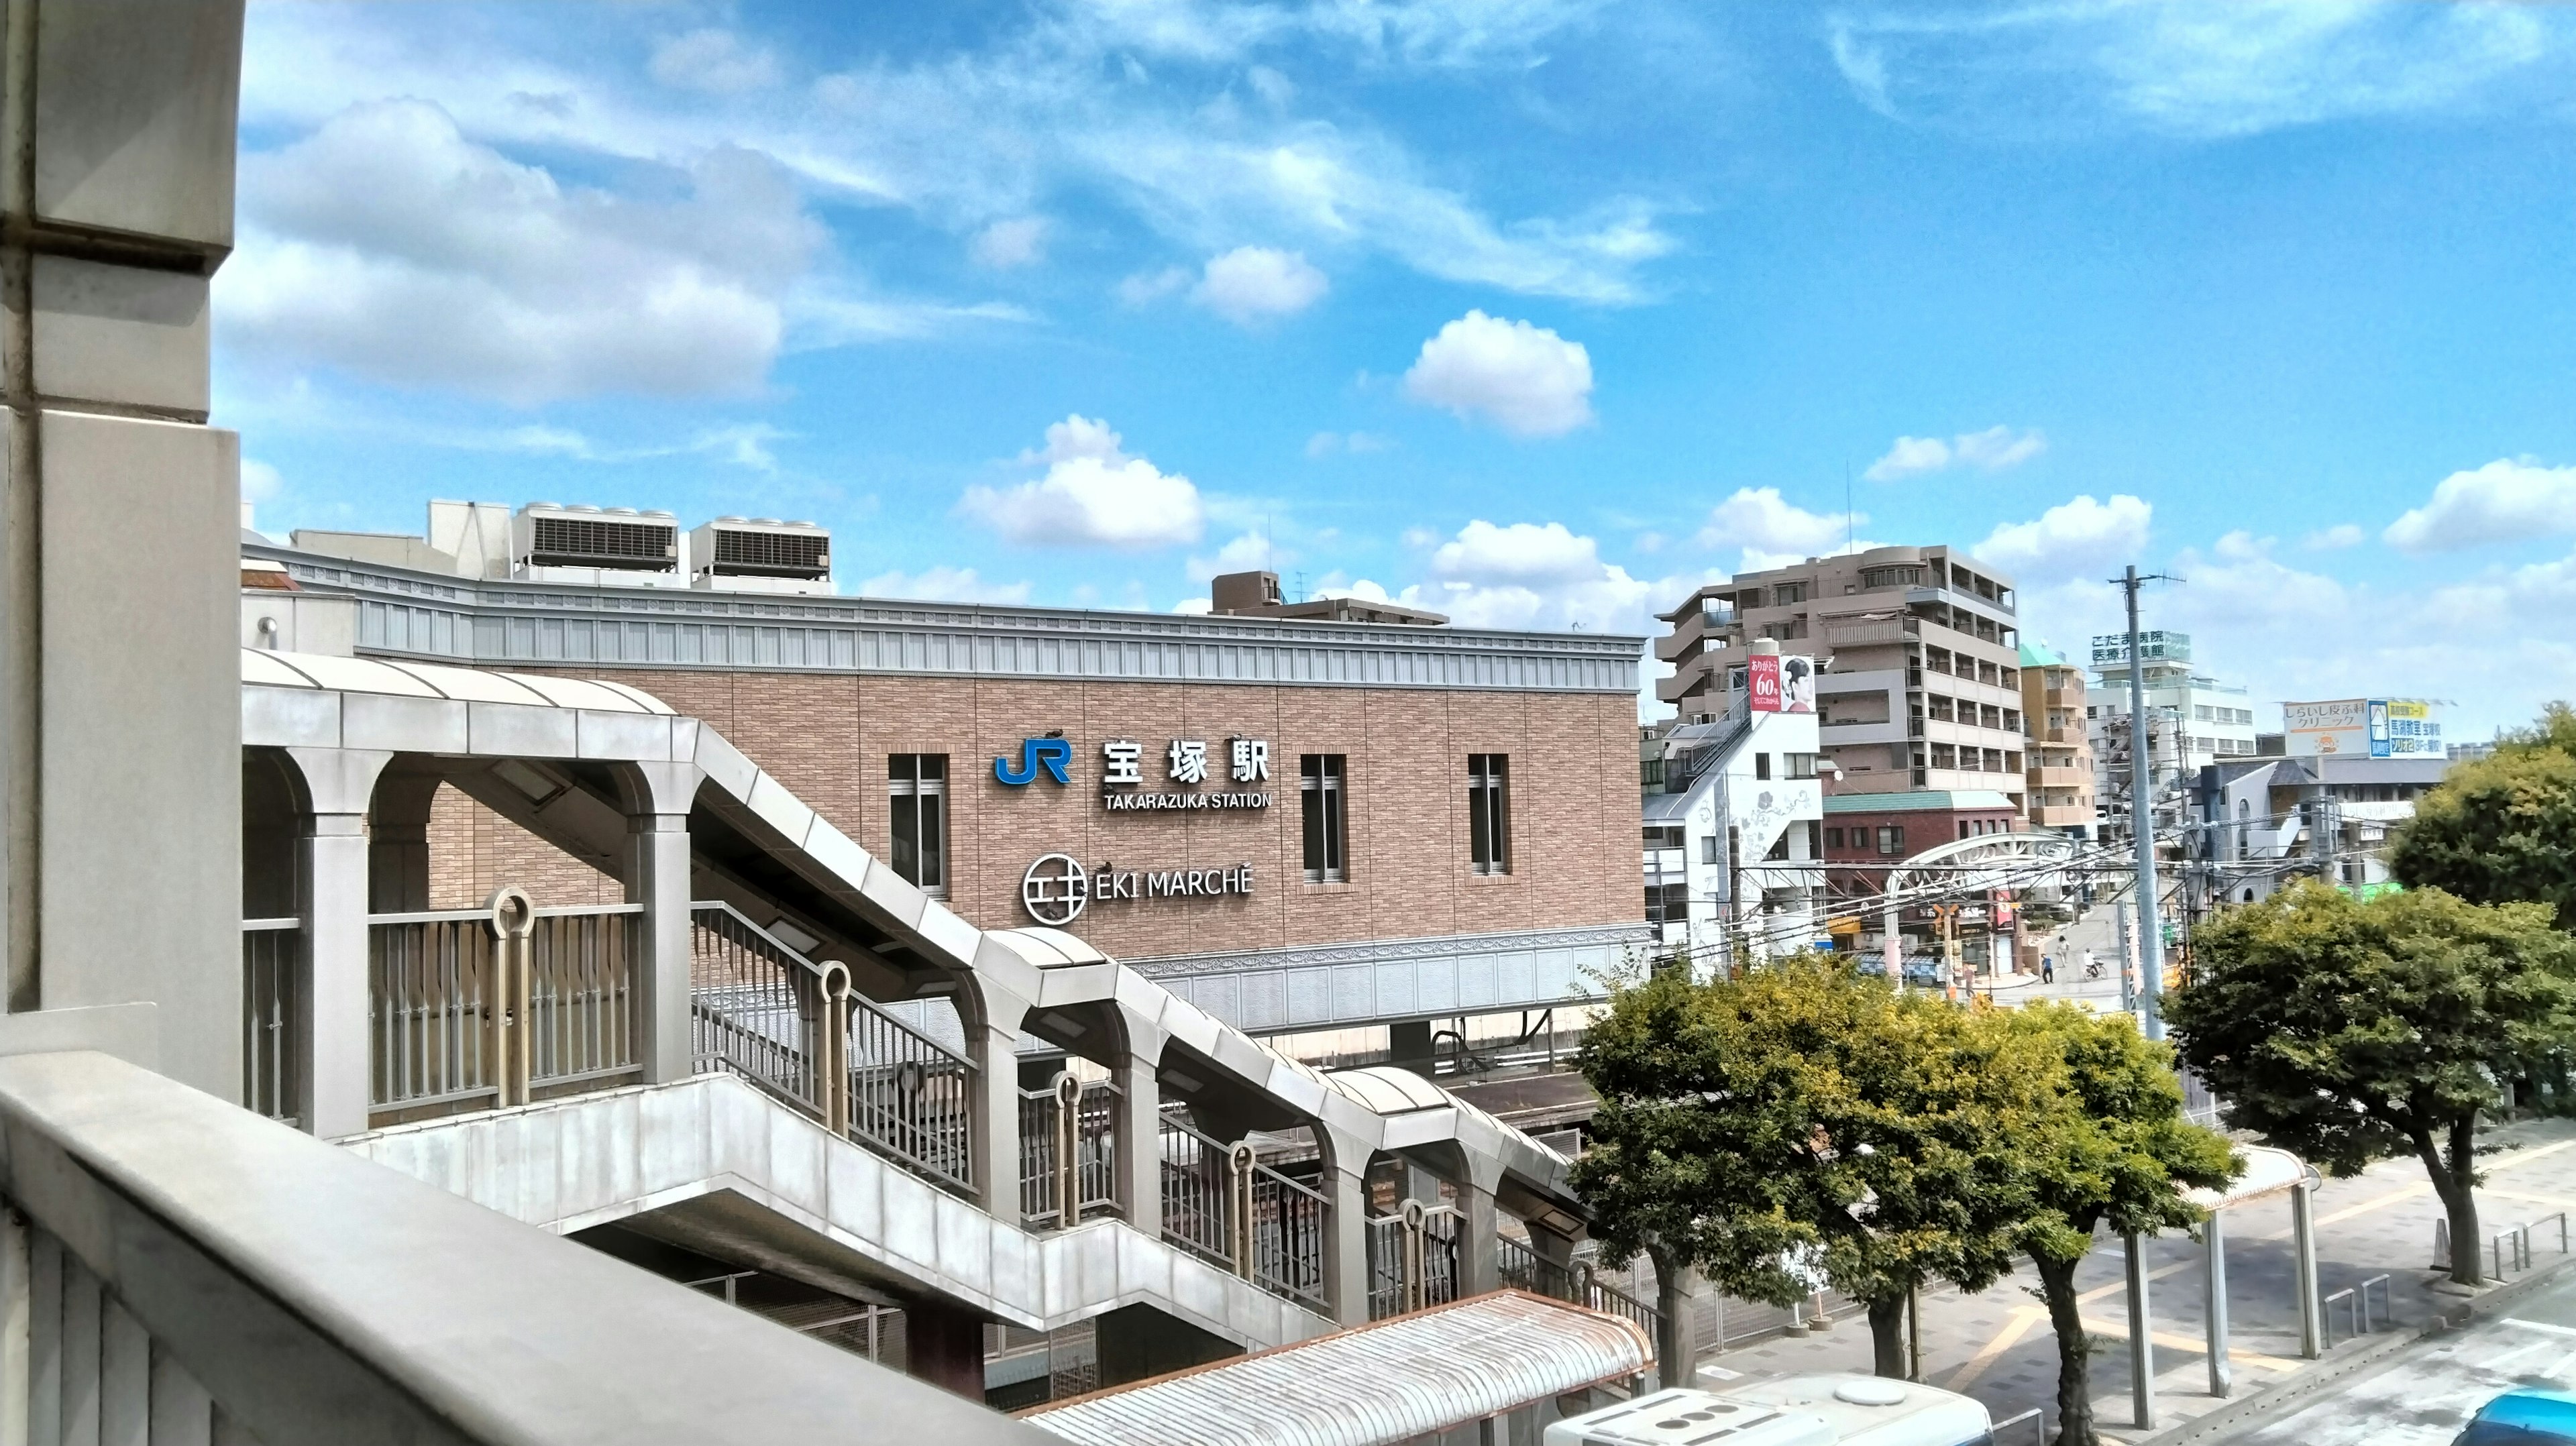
[[1220, 1202], [1069, 1151], [433, 1005], [272, 949], [1413, 1259], [582, 997], [762, 1010], [1519, 1266]]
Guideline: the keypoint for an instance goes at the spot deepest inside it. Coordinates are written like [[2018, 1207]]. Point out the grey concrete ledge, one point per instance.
[[463, 620]]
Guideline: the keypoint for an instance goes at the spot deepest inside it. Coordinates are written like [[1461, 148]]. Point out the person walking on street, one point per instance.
[[2047, 968]]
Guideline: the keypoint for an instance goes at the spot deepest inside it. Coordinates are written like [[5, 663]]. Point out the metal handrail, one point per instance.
[[1222, 1204], [1069, 1153], [272, 956], [1521, 1266], [438, 916], [2038, 1427], [1413, 1258], [794, 1028]]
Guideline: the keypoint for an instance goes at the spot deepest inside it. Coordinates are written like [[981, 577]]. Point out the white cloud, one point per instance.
[[2073, 539], [944, 584], [1151, 286], [2195, 68], [1772, 531], [389, 244], [715, 61], [2502, 501], [2341, 535], [1525, 379], [1019, 241], [1247, 552], [1325, 444], [1531, 575], [1991, 450], [1093, 494], [1253, 284]]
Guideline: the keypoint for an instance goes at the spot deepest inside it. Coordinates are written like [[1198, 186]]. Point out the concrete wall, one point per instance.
[[118, 536]]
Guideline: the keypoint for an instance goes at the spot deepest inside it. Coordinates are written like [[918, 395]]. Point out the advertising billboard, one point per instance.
[[1762, 682], [2363, 728]]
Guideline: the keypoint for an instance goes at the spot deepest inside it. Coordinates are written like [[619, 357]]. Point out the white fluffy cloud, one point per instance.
[[2330, 539], [1253, 284], [944, 584], [1018, 241], [1092, 494], [1245, 552], [1532, 575], [1771, 531], [2502, 501], [1524, 379], [389, 244], [714, 61], [1991, 450], [2073, 539]]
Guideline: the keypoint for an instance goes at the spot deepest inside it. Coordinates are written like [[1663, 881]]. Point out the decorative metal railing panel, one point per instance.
[[1413, 1258], [760, 1009], [1069, 1152], [480, 1006], [272, 950], [433, 1003], [1520, 1267], [1222, 1203], [582, 998]]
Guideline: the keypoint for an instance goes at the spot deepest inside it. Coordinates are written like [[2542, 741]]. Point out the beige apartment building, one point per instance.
[[2060, 754], [1920, 647]]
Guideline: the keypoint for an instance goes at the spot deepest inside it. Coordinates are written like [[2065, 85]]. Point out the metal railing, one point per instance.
[[792, 1027], [2356, 1302], [271, 951], [1519, 1266], [1413, 1259], [1221, 1203], [456, 1019], [1997, 1433], [1069, 1149]]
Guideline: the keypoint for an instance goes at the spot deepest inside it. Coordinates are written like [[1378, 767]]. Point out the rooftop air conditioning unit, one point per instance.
[[614, 538], [739, 547]]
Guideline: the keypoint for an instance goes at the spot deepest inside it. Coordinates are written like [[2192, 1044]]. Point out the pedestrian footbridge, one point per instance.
[[777, 1054]]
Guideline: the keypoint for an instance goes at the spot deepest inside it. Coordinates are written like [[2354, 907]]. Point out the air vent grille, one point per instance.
[[597, 542], [773, 554]]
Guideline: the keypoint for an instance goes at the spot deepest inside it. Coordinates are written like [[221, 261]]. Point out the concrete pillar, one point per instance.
[[1478, 1236], [120, 601], [2222, 1376], [993, 1042], [2142, 1341], [398, 844], [1140, 1142], [1346, 1238], [2303, 1248], [333, 1069], [657, 875]]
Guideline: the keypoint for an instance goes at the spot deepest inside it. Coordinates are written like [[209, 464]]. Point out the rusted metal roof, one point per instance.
[[1392, 1381]]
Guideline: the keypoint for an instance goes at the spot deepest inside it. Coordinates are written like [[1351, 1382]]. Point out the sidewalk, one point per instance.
[[1998, 1347]]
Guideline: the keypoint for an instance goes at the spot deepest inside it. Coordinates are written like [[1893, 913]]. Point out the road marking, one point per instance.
[[2005, 1339], [2541, 1325], [2517, 1353]]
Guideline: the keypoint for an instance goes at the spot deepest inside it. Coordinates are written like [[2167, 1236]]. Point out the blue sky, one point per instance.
[[1539, 312]]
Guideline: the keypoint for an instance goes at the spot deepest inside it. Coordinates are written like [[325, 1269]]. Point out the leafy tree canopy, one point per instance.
[[2503, 828]]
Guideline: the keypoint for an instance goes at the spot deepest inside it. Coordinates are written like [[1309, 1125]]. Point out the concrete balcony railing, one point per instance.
[[2052, 776]]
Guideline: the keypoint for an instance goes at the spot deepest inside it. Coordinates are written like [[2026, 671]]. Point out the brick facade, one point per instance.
[[1572, 799]]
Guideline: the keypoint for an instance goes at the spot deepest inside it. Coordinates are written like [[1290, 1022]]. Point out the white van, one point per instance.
[[1820, 1410]]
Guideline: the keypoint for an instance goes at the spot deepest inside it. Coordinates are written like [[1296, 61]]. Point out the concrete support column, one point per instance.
[[2142, 1341], [2222, 1376], [994, 1043], [657, 876], [1478, 1269], [1140, 1146], [1346, 1235], [333, 1075], [398, 844], [2303, 1246]]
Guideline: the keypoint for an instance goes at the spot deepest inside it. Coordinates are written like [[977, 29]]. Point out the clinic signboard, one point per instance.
[[2363, 728]]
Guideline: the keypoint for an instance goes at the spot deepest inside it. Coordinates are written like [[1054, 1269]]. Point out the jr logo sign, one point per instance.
[[1051, 754]]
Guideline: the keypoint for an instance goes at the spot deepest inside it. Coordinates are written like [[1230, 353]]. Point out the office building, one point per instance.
[[1920, 647], [2193, 720]]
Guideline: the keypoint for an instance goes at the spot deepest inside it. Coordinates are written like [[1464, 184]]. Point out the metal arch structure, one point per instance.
[[1988, 861]]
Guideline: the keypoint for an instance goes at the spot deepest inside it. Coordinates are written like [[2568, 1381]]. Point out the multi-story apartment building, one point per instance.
[[2193, 720], [2060, 755], [1921, 687]]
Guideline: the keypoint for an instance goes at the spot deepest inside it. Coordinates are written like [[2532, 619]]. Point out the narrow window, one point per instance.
[[1319, 794], [1833, 838], [1489, 832], [918, 783], [1708, 849], [1762, 765]]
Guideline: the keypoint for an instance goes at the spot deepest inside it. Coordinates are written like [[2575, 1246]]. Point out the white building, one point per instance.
[[2261, 822], [2193, 720], [1734, 853]]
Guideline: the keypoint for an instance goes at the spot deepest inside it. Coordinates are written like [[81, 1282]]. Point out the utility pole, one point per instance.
[[2142, 819]]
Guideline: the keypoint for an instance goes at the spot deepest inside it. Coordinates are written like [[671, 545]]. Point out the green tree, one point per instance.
[[1805, 1117], [2112, 1150], [2347, 1031], [2501, 829]]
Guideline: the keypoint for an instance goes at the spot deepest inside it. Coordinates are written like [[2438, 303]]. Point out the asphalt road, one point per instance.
[[2432, 1391]]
